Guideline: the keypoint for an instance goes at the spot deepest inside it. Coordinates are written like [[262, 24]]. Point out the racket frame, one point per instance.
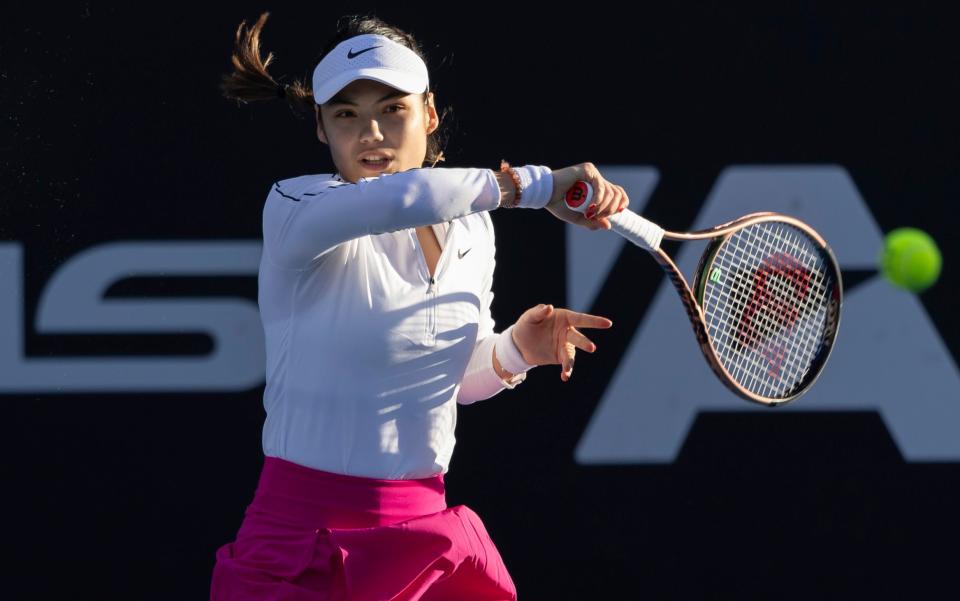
[[648, 235], [692, 301]]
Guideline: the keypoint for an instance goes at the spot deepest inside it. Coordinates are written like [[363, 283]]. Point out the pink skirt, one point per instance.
[[314, 535]]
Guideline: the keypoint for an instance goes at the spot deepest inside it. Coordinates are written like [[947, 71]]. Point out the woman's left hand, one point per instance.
[[546, 335]]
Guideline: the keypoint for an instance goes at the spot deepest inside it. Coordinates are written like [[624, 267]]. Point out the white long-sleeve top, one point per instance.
[[367, 355]]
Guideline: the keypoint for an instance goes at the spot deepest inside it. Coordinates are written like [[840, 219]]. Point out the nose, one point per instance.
[[371, 132]]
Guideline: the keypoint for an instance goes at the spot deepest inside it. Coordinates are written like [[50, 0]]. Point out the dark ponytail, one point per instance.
[[250, 80]]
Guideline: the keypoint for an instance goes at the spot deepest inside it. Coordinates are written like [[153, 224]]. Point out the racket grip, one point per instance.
[[642, 232]]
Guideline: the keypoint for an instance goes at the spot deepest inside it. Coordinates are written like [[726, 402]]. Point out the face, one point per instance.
[[369, 118]]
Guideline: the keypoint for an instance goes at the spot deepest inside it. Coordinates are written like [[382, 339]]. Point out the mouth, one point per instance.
[[375, 165], [376, 162]]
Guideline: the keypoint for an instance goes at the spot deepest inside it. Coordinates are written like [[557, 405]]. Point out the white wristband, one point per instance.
[[509, 355], [536, 186]]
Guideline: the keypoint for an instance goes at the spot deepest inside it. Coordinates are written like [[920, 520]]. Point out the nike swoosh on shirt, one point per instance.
[[463, 253], [351, 53]]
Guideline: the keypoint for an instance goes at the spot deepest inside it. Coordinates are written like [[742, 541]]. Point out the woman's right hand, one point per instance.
[[608, 198]]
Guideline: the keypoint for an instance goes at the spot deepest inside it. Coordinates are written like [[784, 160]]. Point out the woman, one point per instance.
[[375, 287]]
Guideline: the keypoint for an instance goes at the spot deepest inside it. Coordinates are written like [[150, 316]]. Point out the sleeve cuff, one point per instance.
[[536, 182], [481, 380], [509, 355]]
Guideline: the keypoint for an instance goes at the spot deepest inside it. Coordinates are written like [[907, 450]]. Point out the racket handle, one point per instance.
[[642, 232]]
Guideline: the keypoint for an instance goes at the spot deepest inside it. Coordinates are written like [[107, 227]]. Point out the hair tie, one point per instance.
[[282, 91]]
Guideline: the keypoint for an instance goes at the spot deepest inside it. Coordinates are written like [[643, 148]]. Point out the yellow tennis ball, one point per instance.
[[910, 259]]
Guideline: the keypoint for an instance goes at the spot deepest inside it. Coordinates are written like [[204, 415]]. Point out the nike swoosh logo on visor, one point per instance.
[[352, 54]]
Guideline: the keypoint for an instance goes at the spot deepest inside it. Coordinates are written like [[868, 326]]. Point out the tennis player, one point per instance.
[[375, 286]]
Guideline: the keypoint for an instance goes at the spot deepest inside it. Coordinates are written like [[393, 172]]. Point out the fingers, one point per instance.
[[568, 354], [567, 338], [608, 200], [585, 320], [590, 224], [603, 206], [621, 204], [567, 351], [602, 193], [540, 312], [576, 338]]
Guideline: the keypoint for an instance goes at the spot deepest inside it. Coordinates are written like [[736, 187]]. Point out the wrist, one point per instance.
[[537, 184], [532, 186], [509, 355], [508, 191]]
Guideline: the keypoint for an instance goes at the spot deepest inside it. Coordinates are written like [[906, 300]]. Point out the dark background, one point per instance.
[[112, 127]]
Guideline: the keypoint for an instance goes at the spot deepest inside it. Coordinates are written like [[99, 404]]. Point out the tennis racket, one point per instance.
[[765, 303]]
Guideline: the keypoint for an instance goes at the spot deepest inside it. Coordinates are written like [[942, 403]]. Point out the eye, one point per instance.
[[393, 108]]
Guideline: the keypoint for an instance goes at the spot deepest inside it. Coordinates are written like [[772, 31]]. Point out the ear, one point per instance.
[[431, 120], [320, 133]]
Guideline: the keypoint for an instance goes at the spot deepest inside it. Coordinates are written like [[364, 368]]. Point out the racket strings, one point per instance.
[[765, 305], [761, 300]]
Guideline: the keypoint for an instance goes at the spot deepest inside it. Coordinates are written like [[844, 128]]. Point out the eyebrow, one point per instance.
[[338, 99]]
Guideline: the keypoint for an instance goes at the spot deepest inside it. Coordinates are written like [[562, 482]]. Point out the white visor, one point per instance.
[[369, 56]]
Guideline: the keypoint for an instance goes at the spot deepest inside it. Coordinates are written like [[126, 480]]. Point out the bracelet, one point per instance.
[[505, 167]]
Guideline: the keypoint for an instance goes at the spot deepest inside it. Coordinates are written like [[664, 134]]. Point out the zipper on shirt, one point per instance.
[[432, 312], [432, 283]]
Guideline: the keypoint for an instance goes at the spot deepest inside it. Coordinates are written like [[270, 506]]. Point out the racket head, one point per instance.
[[770, 292]]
